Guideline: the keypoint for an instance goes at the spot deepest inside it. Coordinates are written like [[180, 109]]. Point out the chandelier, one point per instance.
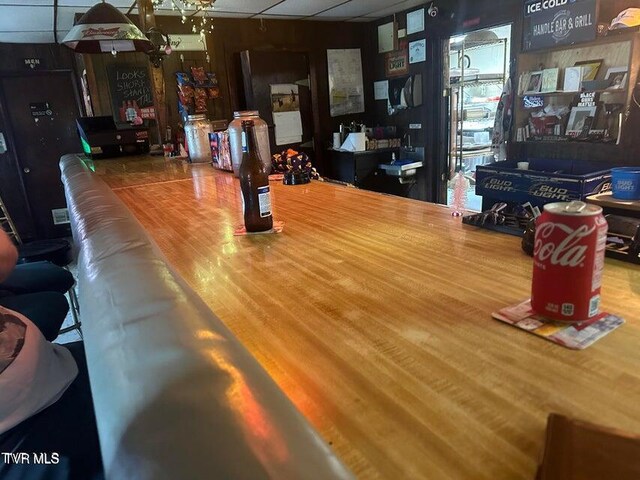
[[200, 19]]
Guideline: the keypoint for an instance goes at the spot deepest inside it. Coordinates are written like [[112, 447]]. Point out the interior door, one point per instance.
[[41, 110], [477, 72], [261, 70]]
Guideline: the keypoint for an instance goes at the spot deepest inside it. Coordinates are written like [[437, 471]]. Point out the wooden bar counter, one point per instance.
[[373, 314]]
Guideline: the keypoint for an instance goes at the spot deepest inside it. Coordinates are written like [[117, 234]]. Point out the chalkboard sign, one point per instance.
[[131, 95], [551, 23]]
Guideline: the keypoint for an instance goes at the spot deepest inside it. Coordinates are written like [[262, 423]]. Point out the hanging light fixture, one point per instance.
[[200, 19], [105, 29]]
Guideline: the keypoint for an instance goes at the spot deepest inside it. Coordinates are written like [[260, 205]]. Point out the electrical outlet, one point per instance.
[[60, 216]]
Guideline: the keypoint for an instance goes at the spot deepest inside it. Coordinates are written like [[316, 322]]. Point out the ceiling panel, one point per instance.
[[27, 37], [26, 2], [303, 7], [176, 13], [66, 15], [329, 19], [244, 6], [278, 17], [218, 14], [358, 19], [34, 19], [397, 8], [87, 4], [358, 8]]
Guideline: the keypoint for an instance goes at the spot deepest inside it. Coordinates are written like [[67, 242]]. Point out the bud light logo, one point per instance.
[[550, 192], [569, 252]]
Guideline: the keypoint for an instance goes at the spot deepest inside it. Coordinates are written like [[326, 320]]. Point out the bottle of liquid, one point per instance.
[[254, 183]]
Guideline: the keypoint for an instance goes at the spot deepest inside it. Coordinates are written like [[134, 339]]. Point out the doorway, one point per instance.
[[39, 112], [478, 69]]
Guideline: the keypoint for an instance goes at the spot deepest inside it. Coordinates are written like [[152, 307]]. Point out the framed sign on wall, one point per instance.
[[387, 37], [396, 63], [549, 24], [415, 21], [418, 51]]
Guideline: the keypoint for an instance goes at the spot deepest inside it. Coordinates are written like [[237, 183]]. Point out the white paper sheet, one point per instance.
[[288, 127], [415, 21], [346, 88], [381, 90]]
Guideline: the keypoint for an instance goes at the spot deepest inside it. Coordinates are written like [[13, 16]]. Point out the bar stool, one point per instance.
[[57, 252]]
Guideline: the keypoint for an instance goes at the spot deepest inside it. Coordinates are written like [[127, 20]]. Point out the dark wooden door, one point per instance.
[[260, 70], [40, 111]]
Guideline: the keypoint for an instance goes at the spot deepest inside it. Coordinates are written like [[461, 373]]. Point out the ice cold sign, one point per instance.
[[550, 23]]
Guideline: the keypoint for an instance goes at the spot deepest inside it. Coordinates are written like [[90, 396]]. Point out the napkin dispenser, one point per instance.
[[355, 142]]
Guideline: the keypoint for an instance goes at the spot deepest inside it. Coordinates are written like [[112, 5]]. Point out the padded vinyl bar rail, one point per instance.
[[176, 395]]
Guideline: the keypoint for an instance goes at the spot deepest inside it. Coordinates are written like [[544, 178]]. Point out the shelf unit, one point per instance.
[[618, 49]]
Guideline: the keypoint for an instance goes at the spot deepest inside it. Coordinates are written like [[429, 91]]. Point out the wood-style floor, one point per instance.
[[373, 314]]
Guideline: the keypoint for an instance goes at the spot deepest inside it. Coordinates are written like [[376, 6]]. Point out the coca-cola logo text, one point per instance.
[[103, 32], [570, 252]]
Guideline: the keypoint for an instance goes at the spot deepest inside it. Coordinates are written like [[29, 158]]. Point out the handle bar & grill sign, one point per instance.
[[550, 23]]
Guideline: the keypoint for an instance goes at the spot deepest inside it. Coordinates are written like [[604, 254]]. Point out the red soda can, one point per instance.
[[568, 260]]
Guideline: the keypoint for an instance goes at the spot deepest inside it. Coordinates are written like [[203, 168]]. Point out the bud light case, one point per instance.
[[546, 181]]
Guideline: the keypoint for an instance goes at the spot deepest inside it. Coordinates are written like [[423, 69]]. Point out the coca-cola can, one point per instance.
[[568, 260]]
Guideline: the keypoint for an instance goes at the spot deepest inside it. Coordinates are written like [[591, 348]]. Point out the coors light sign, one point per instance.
[[568, 260]]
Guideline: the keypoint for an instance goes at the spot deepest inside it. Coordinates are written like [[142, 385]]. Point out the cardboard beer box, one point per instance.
[[546, 181]]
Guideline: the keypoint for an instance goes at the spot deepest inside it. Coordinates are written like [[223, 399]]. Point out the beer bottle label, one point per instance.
[[264, 200], [244, 143]]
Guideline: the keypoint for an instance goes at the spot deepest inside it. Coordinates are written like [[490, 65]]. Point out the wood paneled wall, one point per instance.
[[54, 57], [230, 37]]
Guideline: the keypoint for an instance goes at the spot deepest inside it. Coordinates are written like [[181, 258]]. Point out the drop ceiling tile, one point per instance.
[[66, 16], [26, 2], [362, 19], [406, 5], [244, 6], [26, 19], [357, 8], [176, 13], [27, 37], [219, 14], [166, 12], [267, 16], [87, 4], [326, 19], [303, 7]]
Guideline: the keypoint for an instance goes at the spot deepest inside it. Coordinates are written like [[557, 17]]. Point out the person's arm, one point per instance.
[[8, 255]]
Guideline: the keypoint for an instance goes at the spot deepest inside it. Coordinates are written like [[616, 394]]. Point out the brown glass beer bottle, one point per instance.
[[254, 183]]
